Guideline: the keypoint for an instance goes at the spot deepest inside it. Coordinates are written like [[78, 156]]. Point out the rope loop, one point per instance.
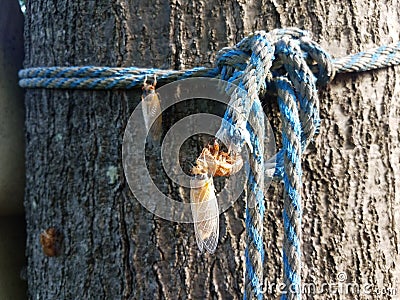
[[290, 61], [261, 58], [294, 64]]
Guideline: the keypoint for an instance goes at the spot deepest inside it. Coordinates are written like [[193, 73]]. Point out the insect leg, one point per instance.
[[155, 80]]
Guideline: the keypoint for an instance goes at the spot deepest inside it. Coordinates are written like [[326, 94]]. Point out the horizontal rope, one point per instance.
[[106, 78]]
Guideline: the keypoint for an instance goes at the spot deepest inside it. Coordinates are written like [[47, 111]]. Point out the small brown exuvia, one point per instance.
[[51, 241], [151, 109]]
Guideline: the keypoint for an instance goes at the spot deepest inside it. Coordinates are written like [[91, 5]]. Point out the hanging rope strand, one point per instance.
[[299, 106], [243, 111], [292, 211]]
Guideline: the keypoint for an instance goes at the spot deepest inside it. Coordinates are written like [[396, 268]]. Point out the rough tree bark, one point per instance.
[[112, 247]]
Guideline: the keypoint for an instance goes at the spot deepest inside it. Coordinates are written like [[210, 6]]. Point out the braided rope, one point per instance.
[[100, 78], [285, 58], [245, 109], [291, 140], [300, 119]]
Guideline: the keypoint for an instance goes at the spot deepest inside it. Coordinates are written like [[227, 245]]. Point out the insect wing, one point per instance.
[[205, 213], [152, 114]]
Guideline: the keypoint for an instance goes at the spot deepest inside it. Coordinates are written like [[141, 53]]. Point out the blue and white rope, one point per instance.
[[285, 58], [300, 118], [292, 211], [103, 78]]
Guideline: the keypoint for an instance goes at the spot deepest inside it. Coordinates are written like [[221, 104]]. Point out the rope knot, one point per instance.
[[289, 60], [264, 57]]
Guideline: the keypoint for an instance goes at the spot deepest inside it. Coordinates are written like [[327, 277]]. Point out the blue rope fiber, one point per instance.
[[292, 212], [285, 59]]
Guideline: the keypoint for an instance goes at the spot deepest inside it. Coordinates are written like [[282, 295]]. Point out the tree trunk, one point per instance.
[[112, 247]]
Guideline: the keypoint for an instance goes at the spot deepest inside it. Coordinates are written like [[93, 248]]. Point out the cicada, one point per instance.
[[205, 212], [152, 109], [211, 162]]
